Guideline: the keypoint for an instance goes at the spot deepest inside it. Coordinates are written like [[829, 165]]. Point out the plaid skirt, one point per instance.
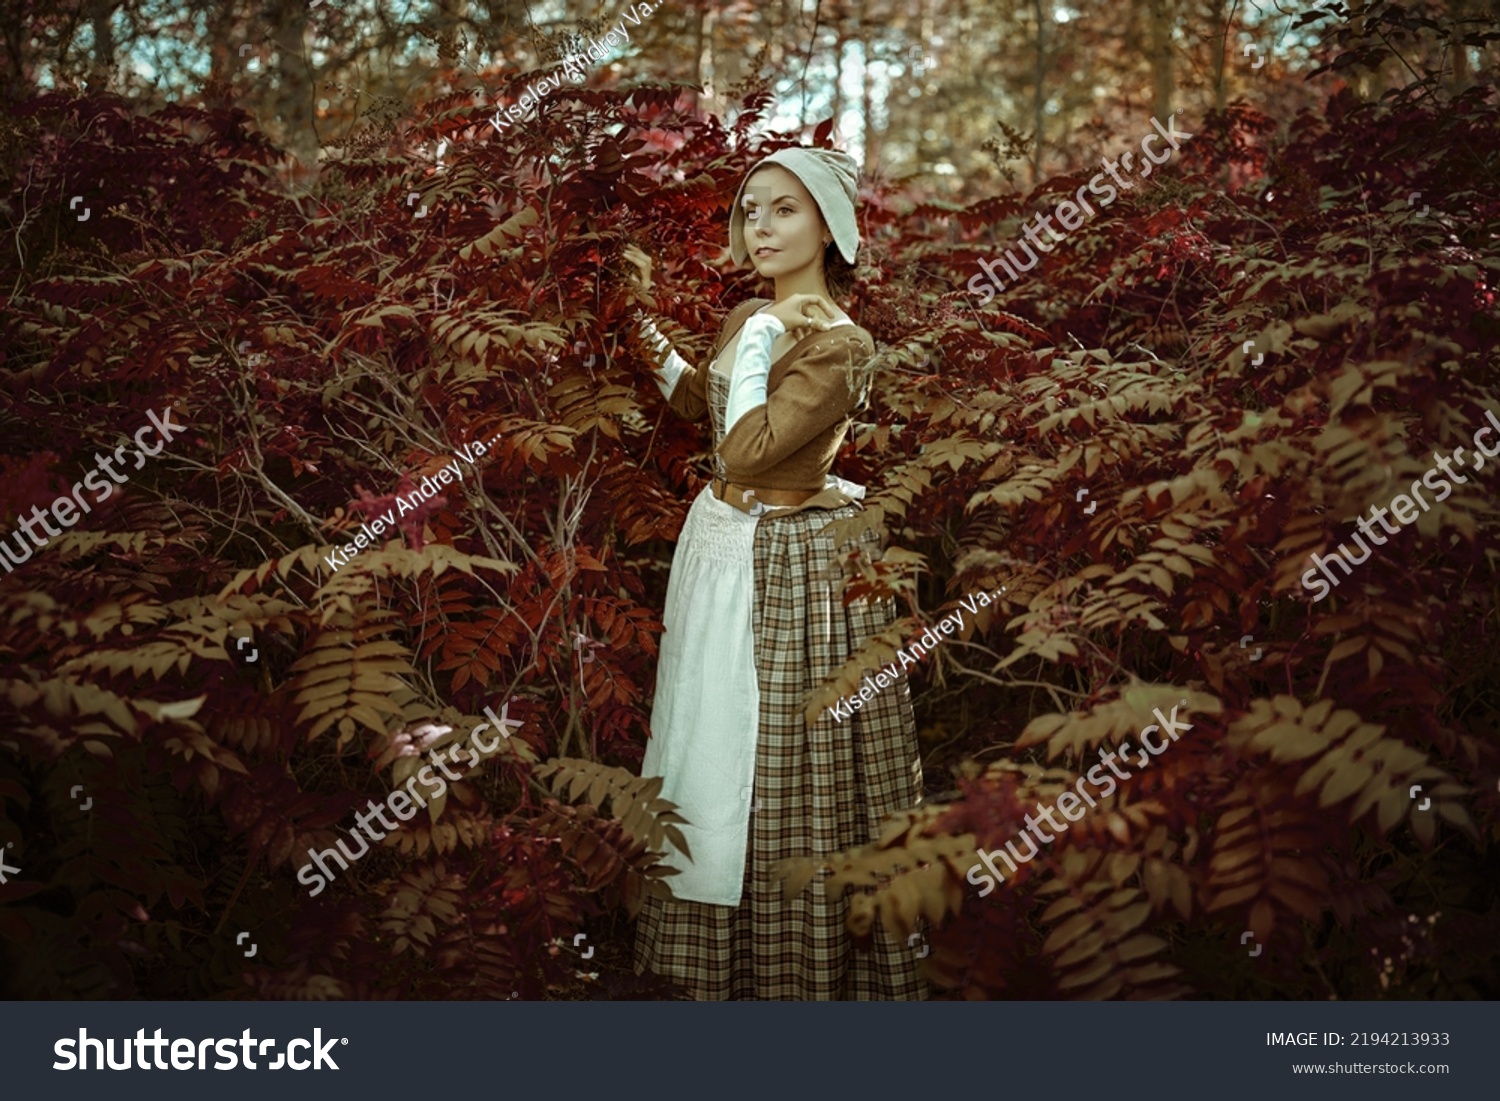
[[818, 789]]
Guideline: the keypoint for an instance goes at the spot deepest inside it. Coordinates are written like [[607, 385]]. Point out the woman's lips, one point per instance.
[[765, 251]]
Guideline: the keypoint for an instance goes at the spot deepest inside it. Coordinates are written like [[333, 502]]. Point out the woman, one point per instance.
[[754, 621]]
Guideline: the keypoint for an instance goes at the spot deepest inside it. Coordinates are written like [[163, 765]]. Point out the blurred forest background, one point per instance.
[[298, 226], [925, 93]]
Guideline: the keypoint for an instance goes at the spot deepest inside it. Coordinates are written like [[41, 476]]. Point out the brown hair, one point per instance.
[[837, 272]]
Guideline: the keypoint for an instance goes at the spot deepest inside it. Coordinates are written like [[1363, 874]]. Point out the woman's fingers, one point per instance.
[[813, 305], [817, 313], [805, 311], [641, 263]]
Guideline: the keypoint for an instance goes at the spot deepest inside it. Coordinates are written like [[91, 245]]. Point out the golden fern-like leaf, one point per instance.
[[76, 544], [605, 852], [904, 875], [416, 905], [634, 800], [1078, 732], [1349, 759], [310, 558], [345, 681], [157, 658], [1096, 939], [1267, 848], [461, 828]]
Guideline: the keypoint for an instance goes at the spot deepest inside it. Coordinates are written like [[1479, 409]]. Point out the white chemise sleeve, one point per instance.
[[669, 365], [752, 366]]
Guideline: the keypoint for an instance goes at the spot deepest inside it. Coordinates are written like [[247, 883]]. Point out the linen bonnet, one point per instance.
[[830, 177]]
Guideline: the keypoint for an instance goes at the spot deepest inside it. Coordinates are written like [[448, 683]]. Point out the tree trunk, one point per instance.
[[102, 64], [1368, 84], [867, 96], [1039, 100], [1221, 19], [699, 42], [841, 44], [1161, 58], [1463, 74], [296, 89]]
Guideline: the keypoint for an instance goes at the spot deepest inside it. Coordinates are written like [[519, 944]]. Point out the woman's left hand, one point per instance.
[[805, 311]]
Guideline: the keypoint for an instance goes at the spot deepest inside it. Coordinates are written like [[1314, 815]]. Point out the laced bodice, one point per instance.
[[718, 403]]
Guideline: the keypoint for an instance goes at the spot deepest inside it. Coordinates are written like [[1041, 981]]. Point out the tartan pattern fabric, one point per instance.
[[818, 789]]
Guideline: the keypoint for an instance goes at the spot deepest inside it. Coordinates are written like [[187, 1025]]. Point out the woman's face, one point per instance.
[[784, 231]]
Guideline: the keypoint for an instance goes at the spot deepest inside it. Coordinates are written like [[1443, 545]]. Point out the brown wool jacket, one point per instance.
[[812, 391]]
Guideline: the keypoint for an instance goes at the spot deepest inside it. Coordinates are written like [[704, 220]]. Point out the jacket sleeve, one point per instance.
[[819, 389]]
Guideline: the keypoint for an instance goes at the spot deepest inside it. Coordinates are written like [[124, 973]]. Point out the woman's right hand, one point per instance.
[[641, 277]]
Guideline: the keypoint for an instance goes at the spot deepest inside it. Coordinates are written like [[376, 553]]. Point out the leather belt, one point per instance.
[[755, 500]]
